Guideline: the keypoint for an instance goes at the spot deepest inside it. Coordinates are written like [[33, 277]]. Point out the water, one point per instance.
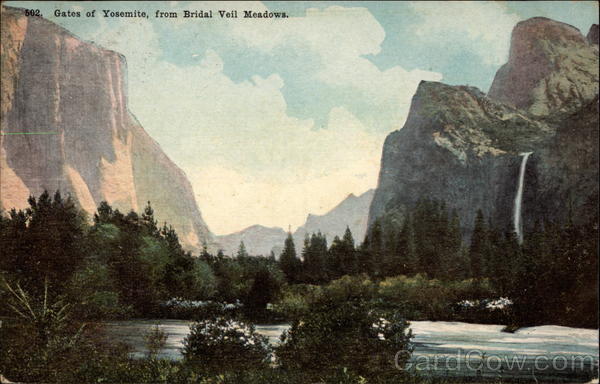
[[441, 348], [519, 198], [459, 348], [132, 332]]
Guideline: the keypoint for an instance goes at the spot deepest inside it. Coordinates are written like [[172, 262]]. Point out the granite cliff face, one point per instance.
[[552, 69], [466, 147], [69, 97]]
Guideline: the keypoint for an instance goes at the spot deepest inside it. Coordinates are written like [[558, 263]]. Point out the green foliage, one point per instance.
[[225, 344], [122, 265], [422, 239], [253, 280], [422, 298], [294, 300], [156, 340], [550, 277], [480, 247], [43, 241], [351, 334], [93, 292], [242, 250], [289, 262], [314, 257]]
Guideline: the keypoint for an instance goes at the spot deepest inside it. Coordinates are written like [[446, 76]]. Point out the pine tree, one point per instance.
[[335, 259], [241, 253], [314, 258], [405, 261], [374, 257], [148, 220], [289, 262], [425, 224], [452, 265], [349, 261], [479, 246]]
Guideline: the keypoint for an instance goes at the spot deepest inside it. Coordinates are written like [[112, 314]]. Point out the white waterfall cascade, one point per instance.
[[519, 198]]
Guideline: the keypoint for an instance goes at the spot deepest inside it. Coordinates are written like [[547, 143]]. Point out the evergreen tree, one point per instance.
[[315, 257], [349, 261], [373, 257], [290, 264], [479, 246], [335, 259], [450, 258], [425, 230], [241, 253], [405, 261], [148, 220]]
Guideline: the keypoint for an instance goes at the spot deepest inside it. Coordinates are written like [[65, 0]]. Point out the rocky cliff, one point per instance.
[[352, 212], [66, 126], [464, 147]]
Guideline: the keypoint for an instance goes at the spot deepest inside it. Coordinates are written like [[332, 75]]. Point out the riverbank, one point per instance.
[[441, 349]]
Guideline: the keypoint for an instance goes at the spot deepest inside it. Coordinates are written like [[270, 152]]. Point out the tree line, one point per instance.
[[550, 277], [119, 264]]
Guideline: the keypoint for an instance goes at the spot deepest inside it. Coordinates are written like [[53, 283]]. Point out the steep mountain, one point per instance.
[[592, 35], [258, 240], [465, 147], [552, 69], [352, 212], [65, 125]]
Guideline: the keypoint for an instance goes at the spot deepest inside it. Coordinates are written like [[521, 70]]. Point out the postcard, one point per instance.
[[299, 192]]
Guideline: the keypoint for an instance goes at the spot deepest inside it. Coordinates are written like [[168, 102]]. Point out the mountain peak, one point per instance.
[[552, 68]]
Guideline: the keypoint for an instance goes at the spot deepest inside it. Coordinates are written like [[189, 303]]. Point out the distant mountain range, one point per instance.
[[352, 212]]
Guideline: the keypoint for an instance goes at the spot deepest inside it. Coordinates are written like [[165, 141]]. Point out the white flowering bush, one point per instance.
[[351, 334], [501, 303], [198, 309], [224, 342]]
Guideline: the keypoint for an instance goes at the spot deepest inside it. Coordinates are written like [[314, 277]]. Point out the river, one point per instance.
[[441, 348]]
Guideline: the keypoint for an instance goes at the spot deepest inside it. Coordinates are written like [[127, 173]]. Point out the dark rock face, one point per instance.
[[563, 178], [92, 147], [464, 147], [592, 35]]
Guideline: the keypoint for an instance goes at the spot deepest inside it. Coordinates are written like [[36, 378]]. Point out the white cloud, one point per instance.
[[341, 37], [248, 160], [486, 26]]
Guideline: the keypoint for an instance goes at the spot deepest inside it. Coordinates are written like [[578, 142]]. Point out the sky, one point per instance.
[[273, 119]]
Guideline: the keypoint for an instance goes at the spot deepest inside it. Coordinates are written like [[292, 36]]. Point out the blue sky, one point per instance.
[[275, 119]]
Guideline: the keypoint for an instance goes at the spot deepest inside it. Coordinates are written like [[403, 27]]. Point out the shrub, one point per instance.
[[294, 300], [156, 340], [352, 335], [225, 344], [350, 287], [431, 299]]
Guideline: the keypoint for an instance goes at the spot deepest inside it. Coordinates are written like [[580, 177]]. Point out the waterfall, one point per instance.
[[519, 198]]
